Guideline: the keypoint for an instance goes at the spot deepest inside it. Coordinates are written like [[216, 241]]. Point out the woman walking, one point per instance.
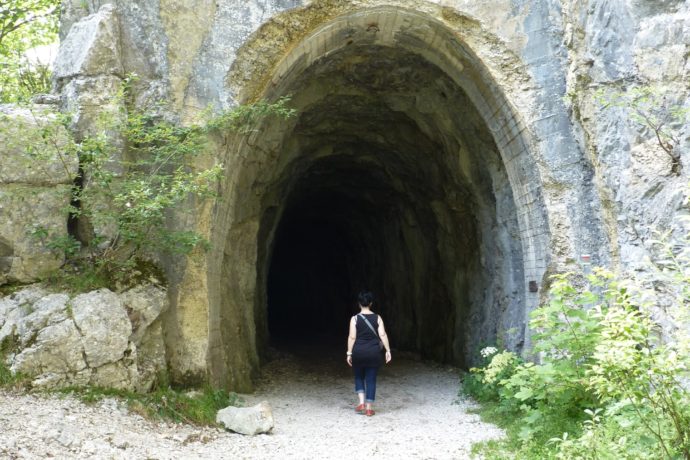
[[365, 344]]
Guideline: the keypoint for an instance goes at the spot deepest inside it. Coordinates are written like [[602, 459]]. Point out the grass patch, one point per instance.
[[519, 443], [77, 278], [9, 380], [514, 446], [69, 278], [6, 375], [197, 408], [84, 276], [9, 289]]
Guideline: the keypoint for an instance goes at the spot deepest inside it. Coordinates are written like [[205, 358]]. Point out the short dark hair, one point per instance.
[[365, 298]]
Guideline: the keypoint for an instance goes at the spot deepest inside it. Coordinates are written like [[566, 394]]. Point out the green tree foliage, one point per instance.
[[655, 110], [122, 199], [25, 24]]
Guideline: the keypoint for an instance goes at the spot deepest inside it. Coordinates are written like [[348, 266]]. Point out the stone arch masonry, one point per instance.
[[526, 171]]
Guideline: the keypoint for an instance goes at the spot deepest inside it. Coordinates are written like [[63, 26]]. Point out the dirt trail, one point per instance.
[[419, 415]]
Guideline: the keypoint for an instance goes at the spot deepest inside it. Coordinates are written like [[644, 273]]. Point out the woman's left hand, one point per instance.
[[349, 360], [388, 357]]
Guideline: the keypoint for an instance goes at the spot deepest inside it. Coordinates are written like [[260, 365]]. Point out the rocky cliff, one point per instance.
[[449, 155]]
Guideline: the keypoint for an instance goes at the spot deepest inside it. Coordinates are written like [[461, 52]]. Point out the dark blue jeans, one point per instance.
[[365, 382]]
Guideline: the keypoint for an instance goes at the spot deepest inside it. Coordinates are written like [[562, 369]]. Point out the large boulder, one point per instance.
[[97, 338], [92, 47], [55, 356], [104, 326], [247, 420], [36, 176], [144, 305], [34, 147]]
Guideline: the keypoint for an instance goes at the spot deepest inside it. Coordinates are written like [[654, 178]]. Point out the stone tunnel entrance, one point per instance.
[[399, 188], [380, 203], [398, 174]]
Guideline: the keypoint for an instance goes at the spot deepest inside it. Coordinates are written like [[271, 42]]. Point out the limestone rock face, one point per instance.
[[92, 47], [57, 340], [27, 156], [89, 75], [36, 173], [247, 420], [56, 353], [104, 326], [144, 306], [641, 42], [494, 160]]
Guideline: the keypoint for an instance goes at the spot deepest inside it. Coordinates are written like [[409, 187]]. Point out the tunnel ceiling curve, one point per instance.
[[398, 173]]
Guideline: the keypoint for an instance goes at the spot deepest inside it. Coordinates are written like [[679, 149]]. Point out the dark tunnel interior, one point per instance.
[[328, 247]]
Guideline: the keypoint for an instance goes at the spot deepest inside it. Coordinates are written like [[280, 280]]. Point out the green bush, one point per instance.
[[484, 382], [604, 384], [122, 200]]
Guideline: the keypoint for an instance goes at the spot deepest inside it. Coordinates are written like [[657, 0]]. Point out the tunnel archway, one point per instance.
[[405, 171]]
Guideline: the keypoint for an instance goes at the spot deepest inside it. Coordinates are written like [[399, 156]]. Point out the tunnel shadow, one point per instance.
[[313, 276], [309, 287], [345, 228]]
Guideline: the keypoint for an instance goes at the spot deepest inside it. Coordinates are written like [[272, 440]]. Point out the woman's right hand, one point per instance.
[[349, 360], [388, 357]]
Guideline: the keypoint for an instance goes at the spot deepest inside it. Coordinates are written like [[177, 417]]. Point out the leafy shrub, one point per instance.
[[655, 110], [605, 384], [122, 201], [484, 383]]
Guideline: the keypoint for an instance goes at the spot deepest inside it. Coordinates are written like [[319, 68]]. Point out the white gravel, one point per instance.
[[419, 415]]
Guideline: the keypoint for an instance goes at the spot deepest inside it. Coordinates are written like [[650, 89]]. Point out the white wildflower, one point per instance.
[[488, 351]]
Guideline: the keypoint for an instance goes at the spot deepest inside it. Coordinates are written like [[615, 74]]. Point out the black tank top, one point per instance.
[[366, 351]]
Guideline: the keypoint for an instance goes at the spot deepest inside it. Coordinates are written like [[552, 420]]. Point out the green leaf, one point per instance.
[[524, 394], [533, 417]]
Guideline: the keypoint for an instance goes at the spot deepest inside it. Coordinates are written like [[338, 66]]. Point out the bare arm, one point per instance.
[[384, 339], [351, 337]]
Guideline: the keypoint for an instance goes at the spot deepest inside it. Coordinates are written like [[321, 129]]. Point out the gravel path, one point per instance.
[[418, 415]]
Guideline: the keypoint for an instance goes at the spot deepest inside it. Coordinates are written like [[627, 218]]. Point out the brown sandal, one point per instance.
[[360, 409], [369, 412]]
